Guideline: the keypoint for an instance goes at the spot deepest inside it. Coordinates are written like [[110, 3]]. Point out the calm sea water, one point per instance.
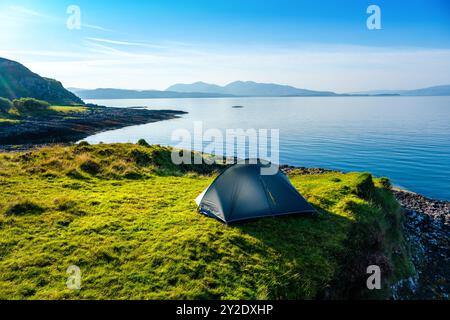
[[404, 138]]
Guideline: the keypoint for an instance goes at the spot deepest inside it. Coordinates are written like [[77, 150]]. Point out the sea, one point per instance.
[[404, 138]]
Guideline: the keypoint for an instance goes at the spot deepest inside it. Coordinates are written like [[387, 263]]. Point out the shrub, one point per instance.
[[5, 105], [143, 143], [140, 158], [132, 175], [364, 186], [24, 207], [385, 183], [30, 106], [90, 166], [83, 143]]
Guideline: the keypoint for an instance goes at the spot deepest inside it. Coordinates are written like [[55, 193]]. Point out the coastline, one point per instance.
[[426, 226], [64, 128], [427, 229]]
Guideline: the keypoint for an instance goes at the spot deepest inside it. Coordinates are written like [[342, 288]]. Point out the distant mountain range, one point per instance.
[[443, 90], [17, 81], [249, 89], [243, 89], [109, 93]]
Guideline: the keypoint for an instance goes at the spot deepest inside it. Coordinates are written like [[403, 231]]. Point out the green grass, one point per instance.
[[4, 120], [14, 115], [125, 215], [69, 109]]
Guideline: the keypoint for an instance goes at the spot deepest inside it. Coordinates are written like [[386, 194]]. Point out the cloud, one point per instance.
[[126, 43], [26, 11], [95, 27]]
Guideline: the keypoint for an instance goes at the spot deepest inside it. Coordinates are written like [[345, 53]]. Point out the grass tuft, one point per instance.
[[23, 207]]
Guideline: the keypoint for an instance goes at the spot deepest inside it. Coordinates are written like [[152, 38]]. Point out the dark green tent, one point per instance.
[[242, 192]]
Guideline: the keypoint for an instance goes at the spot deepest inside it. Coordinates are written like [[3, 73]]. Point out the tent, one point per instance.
[[242, 192]]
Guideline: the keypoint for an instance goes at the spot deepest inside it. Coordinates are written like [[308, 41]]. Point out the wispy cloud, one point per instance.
[[95, 27], [23, 12], [126, 43], [26, 11]]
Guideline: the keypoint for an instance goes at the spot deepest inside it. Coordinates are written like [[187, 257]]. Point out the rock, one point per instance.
[[426, 228]]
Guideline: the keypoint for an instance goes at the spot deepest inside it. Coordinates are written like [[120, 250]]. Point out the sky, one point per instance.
[[319, 45]]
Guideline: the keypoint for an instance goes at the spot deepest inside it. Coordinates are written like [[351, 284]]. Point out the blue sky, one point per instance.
[[310, 44]]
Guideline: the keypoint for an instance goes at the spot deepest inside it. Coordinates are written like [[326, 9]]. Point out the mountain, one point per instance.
[[108, 93], [241, 89], [195, 87], [17, 81], [442, 90], [248, 88]]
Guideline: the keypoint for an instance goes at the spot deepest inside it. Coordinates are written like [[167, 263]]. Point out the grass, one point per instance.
[[7, 120], [14, 115], [125, 215], [69, 109]]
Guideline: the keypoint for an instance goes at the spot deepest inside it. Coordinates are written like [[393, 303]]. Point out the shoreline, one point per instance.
[[427, 228], [69, 128]]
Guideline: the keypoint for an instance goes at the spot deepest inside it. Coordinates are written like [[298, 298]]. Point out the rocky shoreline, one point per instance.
[[66, 128], [427, 230]]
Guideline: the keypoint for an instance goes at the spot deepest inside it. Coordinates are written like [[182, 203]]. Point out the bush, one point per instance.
[[83, 143], [140, 158], [91, 167], [27, 106], [5, 105], [365, 187], [143, 143], [386, 183]]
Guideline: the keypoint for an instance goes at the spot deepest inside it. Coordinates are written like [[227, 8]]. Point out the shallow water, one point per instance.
[[404, 138]]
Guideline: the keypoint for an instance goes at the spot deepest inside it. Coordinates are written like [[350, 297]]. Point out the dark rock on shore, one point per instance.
[[427, 229], [62, 128], [304, 170]]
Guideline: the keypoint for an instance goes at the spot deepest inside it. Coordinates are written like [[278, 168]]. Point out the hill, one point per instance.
[[443, 90], [249, 88], [242, 89], [108, 93], [126, 216], [196, 87], [17, 81]]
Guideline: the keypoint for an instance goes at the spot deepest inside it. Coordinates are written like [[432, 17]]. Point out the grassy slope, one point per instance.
[[13, 115], [7, 120], [69, 109], [126, 216]]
